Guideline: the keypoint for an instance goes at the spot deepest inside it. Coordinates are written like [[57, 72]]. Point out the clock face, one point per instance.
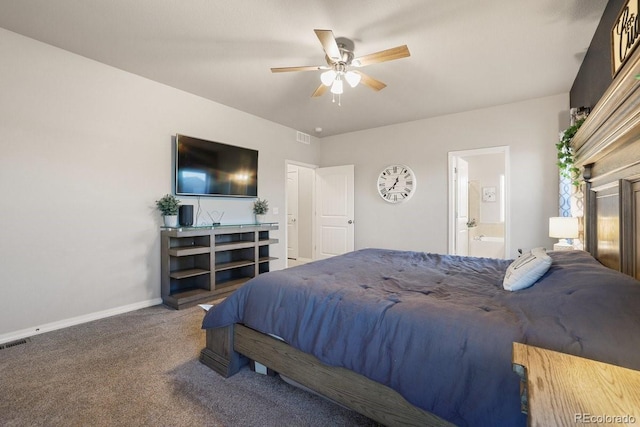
[[396, 183]]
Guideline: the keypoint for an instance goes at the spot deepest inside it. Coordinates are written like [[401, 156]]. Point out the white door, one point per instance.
[[292, 214], [461, 175], [334, 211]]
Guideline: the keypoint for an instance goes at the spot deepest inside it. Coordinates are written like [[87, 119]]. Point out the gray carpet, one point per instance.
[[142, 369]]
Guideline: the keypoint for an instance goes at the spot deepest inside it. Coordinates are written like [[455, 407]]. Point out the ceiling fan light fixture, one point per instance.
[[328, 77], [352, 78], [336, 87], [339, 59]]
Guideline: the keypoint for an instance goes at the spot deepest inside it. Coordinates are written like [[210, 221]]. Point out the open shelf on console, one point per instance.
[[200, 264]]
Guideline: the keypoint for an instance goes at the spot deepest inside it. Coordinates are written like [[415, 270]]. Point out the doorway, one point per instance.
[[300, 213], [320, 210], [479, 202]]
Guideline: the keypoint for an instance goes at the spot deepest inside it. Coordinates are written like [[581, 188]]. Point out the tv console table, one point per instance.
[[200, 264]]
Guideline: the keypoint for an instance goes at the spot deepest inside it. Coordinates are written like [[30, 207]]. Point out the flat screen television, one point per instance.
[[209, 168]]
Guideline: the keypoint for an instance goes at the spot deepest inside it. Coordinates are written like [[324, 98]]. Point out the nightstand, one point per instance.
[[558, 389]]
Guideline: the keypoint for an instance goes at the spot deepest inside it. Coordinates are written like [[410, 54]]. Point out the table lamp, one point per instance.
[[563, 228]]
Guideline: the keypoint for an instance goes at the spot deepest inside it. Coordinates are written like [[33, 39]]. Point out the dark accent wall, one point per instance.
[[594, 76]]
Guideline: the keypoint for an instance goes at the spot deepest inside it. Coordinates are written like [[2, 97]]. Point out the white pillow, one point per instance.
[[525, 270]]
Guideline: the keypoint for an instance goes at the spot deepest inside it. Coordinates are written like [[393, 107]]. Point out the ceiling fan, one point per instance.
[[340, 61]]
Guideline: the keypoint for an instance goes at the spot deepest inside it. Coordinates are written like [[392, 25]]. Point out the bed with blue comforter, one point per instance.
[[439, 329]]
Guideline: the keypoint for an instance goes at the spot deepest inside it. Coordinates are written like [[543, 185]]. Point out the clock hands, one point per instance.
[[396, 194], [394, 184]]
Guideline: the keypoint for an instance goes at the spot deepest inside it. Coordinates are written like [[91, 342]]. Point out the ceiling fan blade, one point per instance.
[[320, 91], [371, 82], [304, 68], [329, 44], [382, 56]]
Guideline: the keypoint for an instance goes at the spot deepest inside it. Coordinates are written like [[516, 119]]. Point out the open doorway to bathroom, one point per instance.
[[478, 202]]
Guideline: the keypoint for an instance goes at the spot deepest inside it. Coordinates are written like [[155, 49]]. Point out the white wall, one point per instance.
[[486, 170], [85, 151], [529, 128]]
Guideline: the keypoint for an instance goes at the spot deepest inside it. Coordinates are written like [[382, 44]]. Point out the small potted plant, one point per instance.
[[168, 205], [260, 208]]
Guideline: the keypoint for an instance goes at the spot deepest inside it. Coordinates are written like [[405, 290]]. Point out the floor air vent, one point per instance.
[[13, 343]]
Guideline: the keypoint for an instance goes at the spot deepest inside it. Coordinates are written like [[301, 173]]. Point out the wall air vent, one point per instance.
[[303, 138], [13, 343]]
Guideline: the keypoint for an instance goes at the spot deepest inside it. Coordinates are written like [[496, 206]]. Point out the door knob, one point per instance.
[[350, 222]]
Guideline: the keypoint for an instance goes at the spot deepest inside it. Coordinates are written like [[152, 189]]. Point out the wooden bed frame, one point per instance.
[[607, 149], [229, 348]]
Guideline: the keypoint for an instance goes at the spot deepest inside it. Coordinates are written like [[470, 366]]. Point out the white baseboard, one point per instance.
[[36, 330]]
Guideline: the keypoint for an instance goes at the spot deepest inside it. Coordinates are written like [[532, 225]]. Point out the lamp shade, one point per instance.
[[563, 227], [328, 77], [352, 78], [336, 87]]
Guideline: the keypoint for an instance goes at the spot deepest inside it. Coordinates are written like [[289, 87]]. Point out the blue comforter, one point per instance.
[[439, 329]]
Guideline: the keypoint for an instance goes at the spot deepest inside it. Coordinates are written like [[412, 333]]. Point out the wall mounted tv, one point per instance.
[[208, 168]]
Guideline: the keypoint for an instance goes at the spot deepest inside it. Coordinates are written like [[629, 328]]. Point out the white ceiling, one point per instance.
[[465, 54]]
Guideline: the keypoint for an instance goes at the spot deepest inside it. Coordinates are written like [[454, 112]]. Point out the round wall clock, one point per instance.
[[396, 183]]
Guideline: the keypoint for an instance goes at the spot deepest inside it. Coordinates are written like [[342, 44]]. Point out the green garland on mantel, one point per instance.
[[566, 156]]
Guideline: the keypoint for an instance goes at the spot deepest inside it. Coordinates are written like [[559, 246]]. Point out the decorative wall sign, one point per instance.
[[625, 34], [488, 194]]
